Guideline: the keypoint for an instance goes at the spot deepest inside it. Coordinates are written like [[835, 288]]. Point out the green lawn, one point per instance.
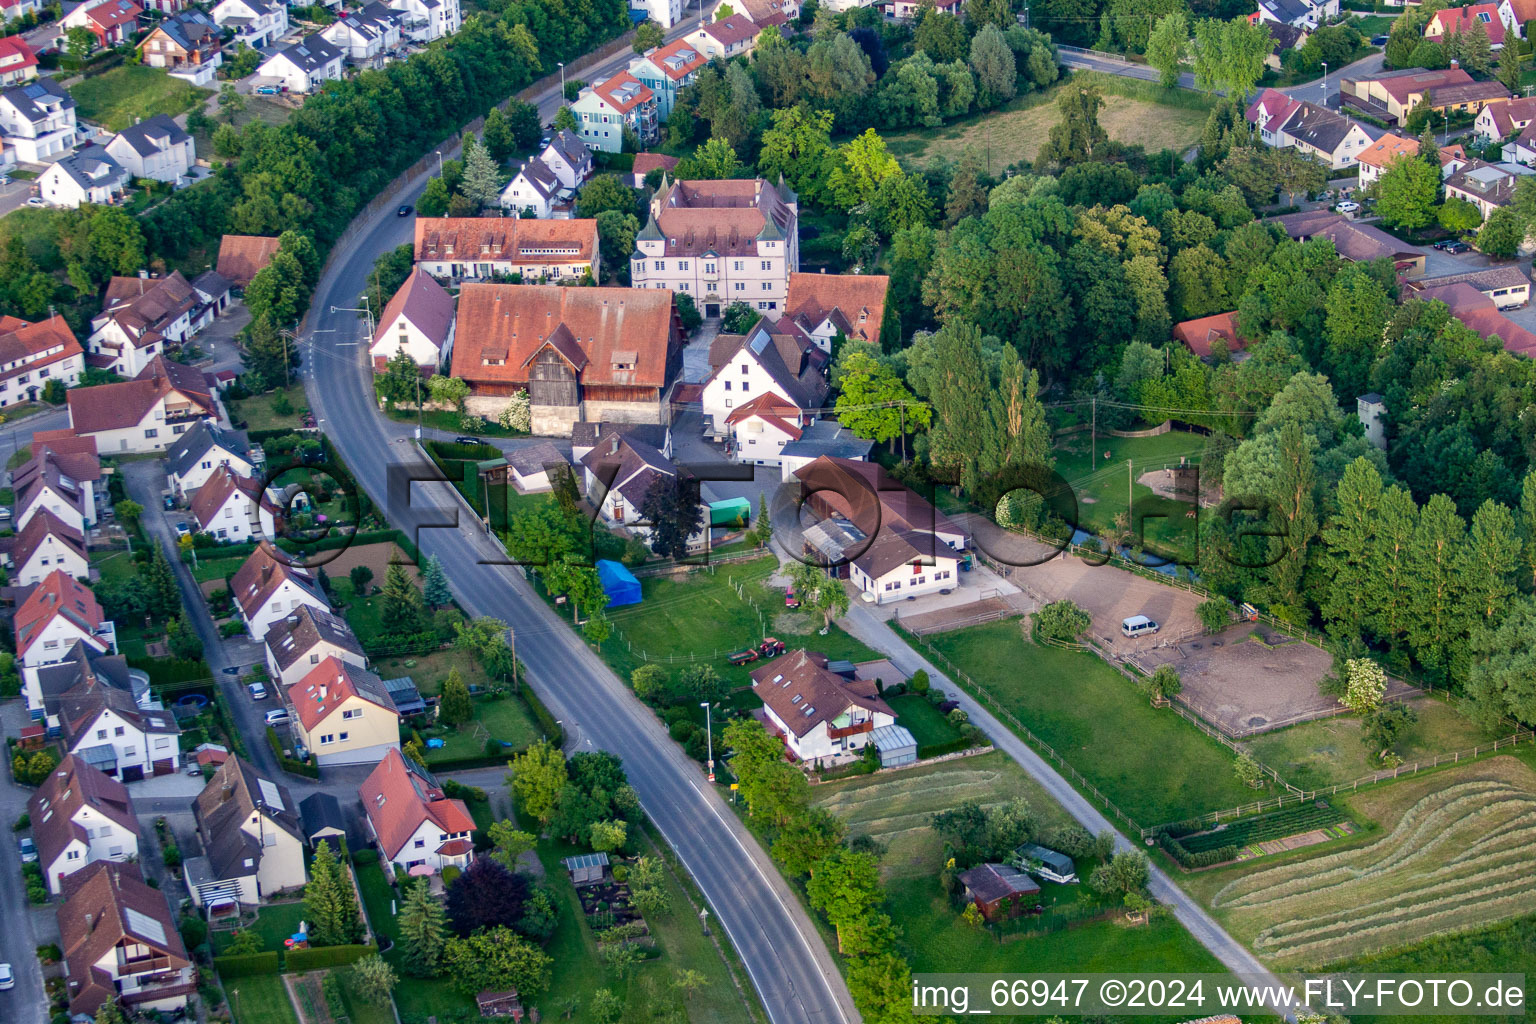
[[1155, 765], [926, 723], [1099, 484], [131, 93], [377, 897], [258, 414], [1329, 751], [363, 1011], [274, 923], [211, 567], [114, 566], [669, 622], [260, 999], [444, 419]]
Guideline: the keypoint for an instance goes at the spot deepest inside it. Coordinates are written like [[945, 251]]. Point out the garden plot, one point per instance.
[[1458, 855]]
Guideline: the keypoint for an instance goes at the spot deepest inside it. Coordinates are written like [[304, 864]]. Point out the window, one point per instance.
[[741, 286], [736, 264], [101, 734], [727, 385], [352, 713], [767, 286], [327, 738], [745, 386], [709, 268], [659, 265], [345, 736], [767, 264], [118, 731], [682, 264], [419, 844], [151, 432]]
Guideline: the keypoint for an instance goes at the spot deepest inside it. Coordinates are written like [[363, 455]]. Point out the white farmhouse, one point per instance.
[[418, 321]]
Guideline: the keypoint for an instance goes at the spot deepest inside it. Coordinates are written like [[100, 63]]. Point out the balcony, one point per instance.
[[867, 725]]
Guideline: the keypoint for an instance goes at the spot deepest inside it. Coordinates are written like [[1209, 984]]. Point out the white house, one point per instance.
[[58, 614], [37, 119], [233, 508], [140, 316], [366, 34], [59, 478], [1306, 14], [606, 109], [80, 816], [726, 38], [43, 686], [89, 175], [568, 158], [305, 65], [46, 544], [105, 727], [201, 450], [617, 474], [418, 321], [302, 640], [146, 414], [256, 23], [535, 188], [822, 718], [156, 148], [482, 247], [665, 13], [762, 427], [762, 362], [1498, 121], [120, 943], [764, 13], [253, 843], [426, 20], [415, 824], [112, 22], [267, 588], [18, 63]]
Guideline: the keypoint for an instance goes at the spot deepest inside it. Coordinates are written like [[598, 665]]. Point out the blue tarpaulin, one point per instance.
[[618, 583]]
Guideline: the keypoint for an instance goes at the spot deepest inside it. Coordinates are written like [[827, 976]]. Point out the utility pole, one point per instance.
[[1129, 480], [709, 738], [1093, 436]]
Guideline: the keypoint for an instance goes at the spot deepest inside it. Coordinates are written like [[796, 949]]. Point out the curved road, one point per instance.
[[794, 975]]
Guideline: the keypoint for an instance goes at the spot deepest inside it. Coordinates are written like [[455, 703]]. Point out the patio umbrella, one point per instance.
[[420, 871]]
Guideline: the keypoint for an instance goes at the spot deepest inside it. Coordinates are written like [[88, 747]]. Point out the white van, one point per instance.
[[1138, 625]]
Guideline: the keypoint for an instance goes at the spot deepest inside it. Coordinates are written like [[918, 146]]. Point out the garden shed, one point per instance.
[[896, 744], [618, 583], [998, 890], [586, 868]]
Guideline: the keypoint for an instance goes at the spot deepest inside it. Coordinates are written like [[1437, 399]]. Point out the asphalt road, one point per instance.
[[27, 1003], [795, 976]]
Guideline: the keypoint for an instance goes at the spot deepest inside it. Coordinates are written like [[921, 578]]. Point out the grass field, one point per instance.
[[131, 93], [1453, 852], [260, 999], [926, 722], [1329, 751], [1156, 766], [700, 615], [1145, 117], [275, 922], [258, 414], [114, 566], [896, 808], [1099, 485]]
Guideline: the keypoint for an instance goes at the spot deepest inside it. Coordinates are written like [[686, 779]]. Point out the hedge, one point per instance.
[[308, 769], [546, 721], [325, 956], [170, 671], [456, 451], [1204, 859], [947, 747], [246, 965]]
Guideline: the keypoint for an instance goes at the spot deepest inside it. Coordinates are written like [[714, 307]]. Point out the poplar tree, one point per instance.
[[1386, 596], [1490, 561], [1437, 613], [1349, 540]]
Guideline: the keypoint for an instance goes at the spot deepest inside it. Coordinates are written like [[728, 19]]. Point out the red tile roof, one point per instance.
[[1386, 149], [254, 582], [1480, 313], [677, 60], [41, 525], [326, 686], [624, 92], [1198, 334], [728, 32], [803, 693], [72, 786], [645, 163], [126, 403], [15, 54], [1461, 19], [111, 13], [423, 302], [105, 905], [520, 240], [856, 302], [216, 491], [24, 343], [241, 257], [398, 797], [770, 408], [58, 594]]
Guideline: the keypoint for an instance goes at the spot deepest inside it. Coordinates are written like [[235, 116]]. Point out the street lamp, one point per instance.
[[439, 154], [562, 82], [1325, 83], [709, 738]]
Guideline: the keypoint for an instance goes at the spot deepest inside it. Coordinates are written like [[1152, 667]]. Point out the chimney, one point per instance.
[[143, 275], [323, 689], [615, 449]]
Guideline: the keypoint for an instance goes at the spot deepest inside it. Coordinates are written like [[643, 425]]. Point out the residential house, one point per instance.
[[201, 450], [1453, 20], [666, 70], [773, 357], [43, 686], [761, 427], [1358, 243], [234, 508], [568, 158], [31, 354], [645, 163], [156, 148], [531, 465], [822, 718], [908, 10], [1486, 186], [367, 34], [1282, 40], [1378, 155], [417, 321], [300, 641], [426, 20], [37, 120], [343, 714], [617, 475], [1480, 313], [184, 41], [825, 306], [1307, 14], [11, 10], [18, 62], [606, 110], [1508, 286], [253, 843], [764, 13], [89, 175], [165, 7], [586, 434], [1470, 98], [140, 318], [268, 589], [80, 816], [304, 66], [665, 13], [1499, 121], [112, 22], [822, 439], [242, 257], [535, 191], [890, 542], [1521, 151], [721, 242], [213, 291], [726, 38], [60, 612], [1515, 14], [414, 823], [580, 353], [1326, 136], [120, 942], [107, 728], [256, 23], [469, 248], [46, 544], [1392, 95], [1202, 335], [1000, 891], [60, 479], [145, 414]]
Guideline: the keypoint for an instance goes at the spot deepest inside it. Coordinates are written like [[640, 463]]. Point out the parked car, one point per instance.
[[28, 849], [466, 439], [1138, 625], [182, 529], [268, 90], [37, 201], [1347, 207], [170, 502], [258, 691], [7, 978], [277, 716], [405, 211], [5, 515], [1457, 248]]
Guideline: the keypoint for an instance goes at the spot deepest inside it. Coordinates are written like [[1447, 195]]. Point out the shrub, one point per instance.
[[1063, 621], [919, 682], [326, 956], [230, 967], [450, 872], [23, 822]]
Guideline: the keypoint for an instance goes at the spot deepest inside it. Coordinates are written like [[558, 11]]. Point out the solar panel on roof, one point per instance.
[[144, 926], [270, 796]]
